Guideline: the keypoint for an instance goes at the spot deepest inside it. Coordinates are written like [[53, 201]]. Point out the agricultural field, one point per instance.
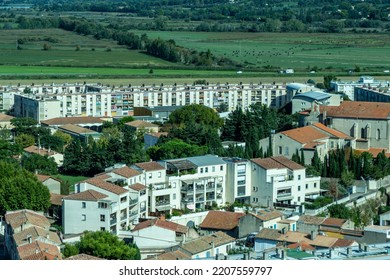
[[68, 49], [303, 51]]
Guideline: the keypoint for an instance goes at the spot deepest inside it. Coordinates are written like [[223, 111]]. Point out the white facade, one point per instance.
[[37, 108], [282, 181], [98, 100], [238, 180]]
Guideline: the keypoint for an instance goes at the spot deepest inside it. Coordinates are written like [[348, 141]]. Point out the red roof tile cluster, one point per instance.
[[162, 224], [88, 195], [305, 134], [106, 185], [72, 120], [331, 131], [41, 151], [269, 215], [20, 217], [56, 199], [277, 162], [333, 222], [359, 110], [126, 172], [39, 251], [150, 166], [140, 124], [221, 220], [137, 187]]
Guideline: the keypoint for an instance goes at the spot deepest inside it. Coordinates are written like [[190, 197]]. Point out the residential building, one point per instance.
[[235, 224], [52, 183], [381, 93], [161, 113], [209, 246], [376, 234], [27, 236], [58, 157], [151, 139], [306, 100], [281, 182], [142, 126], [384, 219], [92, 123], [43, 102], [348, 87], [79, 132], [201, 181], [238, 176], [296, 88], [156, 234], [269, 218], [7, 97]]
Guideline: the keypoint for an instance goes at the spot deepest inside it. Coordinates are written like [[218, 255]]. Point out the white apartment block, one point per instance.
[[238, 180], [348, 87], [201, 181], [99, 100], [372, 93], [281, 182]]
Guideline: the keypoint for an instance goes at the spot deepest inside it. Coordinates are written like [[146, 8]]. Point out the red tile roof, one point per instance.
[[334, 222], [72, 120], [333, 132], [106, 185], [88, 195], [5, 118], [35, 233], [37, 249], [150, 166], [305, 134], [359, 110], [175, 255], [268, 215], [278, 162], [139, 124], [221, 220], [312, 145], [343, 243], [42, 151], [205, 243], [83, 257], [303, 245], [20, 217], [162, 224], [56, 199], [126, 172], [42, 178], [373, 151], [137, 187]]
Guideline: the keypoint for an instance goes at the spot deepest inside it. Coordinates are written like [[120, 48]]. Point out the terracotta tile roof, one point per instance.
[[20, 217], [42, 178], [88, 195], [312, 145], [334, 222], [140, 124], [42, 151], [278, 162], [205, 243], [373, 151], [294, 236], [96, 181], [150, 166], [287, 221], [313, 220], [324, 241], [332, 132], [72, 120], [343, 243], [126, 172], [359, 110], [42, 256], [175, 255], [83, 257], [76, 129], [162, 224], [56, 199], [269, 234], [221, 220], [137, 187], [36, 233], [269, 215], [36, 249], [302, 245], [305, 134], [5, 118]]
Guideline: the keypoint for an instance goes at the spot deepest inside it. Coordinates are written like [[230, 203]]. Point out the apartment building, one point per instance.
[[379, 93], [281, 182], [37, 101], [238, 177], [348, 87]]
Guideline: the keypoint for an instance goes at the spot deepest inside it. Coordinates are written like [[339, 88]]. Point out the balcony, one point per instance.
[[200, 199], [284, 194], [113, 221], [133, 201], [188, 200], [133, 213], [163, 202]]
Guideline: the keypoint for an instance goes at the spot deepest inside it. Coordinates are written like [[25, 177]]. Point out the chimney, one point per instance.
[[331, 253], [29, 239], [313, 235]]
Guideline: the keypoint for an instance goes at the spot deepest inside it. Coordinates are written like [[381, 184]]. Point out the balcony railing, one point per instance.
[[113, 221], [133, 213], [283, 194], [162, 202], [133, 201]]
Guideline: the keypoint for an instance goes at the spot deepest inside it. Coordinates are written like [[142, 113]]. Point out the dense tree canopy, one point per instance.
[[38, 163], [20, 189], [105, 245]]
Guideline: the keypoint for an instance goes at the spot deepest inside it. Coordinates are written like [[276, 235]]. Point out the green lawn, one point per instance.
[[71, 179]]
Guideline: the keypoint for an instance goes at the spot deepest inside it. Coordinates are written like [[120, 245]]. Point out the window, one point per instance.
[[280, 150], [378, 134], [174, 196], [103, 205], [213, 168], [221, 168], [150, 175], [299, 177], [307, 186], [83, 204], [159, 175], [102, 229], [102, 218], [299, 198], [299, 188], [206, 169], [286, 151], [123, 199], [201, 170], [83, 217], [315, 185]]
